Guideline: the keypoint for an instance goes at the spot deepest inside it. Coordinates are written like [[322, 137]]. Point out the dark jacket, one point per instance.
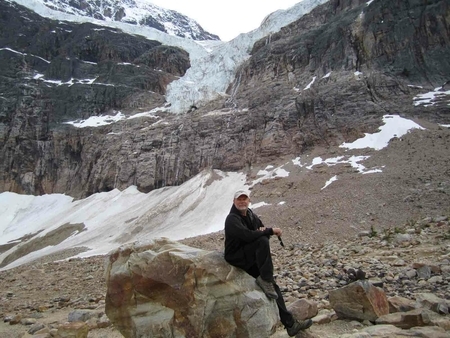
[[239, 231]]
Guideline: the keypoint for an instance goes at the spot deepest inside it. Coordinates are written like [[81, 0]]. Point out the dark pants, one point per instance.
[[258, 261]]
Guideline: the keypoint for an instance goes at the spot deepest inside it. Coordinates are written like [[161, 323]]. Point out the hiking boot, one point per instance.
[[298, 326], [267, 288]]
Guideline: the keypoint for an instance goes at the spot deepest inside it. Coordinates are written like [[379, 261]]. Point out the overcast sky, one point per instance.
[[227, 19]]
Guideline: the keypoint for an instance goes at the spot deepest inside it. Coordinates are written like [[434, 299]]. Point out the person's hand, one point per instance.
[[277, 231]]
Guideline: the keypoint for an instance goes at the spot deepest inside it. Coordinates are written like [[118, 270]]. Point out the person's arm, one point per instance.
[[260, 225], [234, 227]]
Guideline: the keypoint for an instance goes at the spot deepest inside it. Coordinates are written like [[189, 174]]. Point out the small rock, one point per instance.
[[28, 321], [35, 328]]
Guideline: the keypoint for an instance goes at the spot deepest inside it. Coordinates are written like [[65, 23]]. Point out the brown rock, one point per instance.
[[303, 309], [166, 288], [383, 331], [321, 319], [73, 330], [103, 322], [406, 320], [359, 300], [15, 319], [433, 268], [400, 304], [429, 332], [432, 302]]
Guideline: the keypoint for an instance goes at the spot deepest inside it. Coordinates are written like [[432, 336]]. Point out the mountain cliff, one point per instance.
[[325, 78]]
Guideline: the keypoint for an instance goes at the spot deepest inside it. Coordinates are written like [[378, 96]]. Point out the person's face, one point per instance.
[[242, 202]]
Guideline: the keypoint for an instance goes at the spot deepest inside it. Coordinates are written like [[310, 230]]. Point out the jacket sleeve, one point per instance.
[[234, 227]]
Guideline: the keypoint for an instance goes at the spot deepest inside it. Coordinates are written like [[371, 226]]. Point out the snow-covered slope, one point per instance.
[[110, 219], [135, 12]]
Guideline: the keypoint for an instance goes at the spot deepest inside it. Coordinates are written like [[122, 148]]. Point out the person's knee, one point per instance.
[[263, 242]]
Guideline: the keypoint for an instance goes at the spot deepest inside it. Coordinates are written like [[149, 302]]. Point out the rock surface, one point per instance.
[[167, 289], [359, 300]]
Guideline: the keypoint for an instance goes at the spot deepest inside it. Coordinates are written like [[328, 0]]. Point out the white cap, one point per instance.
[[241, 192]]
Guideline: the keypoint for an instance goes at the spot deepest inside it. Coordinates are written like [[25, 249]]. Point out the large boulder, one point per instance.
[[167, 289], [359, 300]]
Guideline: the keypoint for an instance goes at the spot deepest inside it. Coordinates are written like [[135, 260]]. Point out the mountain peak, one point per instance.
[[136, 12]]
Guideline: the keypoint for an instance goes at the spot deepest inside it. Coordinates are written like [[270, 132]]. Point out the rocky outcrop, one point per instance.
[[404, 39], [168, 289], [58, 72], [334, 71]]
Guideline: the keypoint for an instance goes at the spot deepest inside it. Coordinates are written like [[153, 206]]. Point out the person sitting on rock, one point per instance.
[[247, 247]]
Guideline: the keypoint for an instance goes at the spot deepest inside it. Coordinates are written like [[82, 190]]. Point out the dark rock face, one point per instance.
[[53, 72], [405, 39], [393, 44], [299, 89]]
